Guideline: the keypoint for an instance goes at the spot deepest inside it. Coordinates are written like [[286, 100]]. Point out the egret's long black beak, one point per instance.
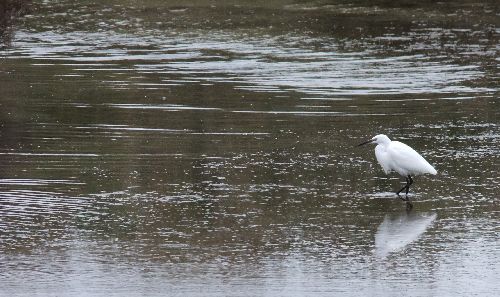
[[368, 141]]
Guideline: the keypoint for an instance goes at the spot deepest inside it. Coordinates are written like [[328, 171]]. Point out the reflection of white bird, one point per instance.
[[397, 156], [396, 232]]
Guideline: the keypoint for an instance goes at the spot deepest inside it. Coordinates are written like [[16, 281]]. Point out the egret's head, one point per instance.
[[378, 139]]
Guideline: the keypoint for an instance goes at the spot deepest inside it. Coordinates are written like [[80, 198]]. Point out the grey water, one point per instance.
[[208, 148]]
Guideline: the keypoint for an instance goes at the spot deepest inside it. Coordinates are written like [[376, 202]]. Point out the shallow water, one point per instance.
[[207, 148]]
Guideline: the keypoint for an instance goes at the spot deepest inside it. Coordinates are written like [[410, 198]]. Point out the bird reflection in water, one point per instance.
[[398, 231]]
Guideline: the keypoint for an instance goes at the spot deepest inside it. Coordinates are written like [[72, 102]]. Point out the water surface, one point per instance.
[[207, 148]]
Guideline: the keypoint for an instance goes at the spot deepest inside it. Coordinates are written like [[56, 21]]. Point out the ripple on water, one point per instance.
[[30, 215], [254, 64]]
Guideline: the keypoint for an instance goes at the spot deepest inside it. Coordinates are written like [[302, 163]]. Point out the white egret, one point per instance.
[[397, 156]]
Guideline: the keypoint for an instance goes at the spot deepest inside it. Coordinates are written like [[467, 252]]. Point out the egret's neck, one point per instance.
[[382, 147]]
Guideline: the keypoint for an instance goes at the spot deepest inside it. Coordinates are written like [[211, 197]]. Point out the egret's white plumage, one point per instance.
[[399, 157]]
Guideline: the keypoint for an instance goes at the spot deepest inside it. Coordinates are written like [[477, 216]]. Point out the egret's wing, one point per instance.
[[383, 159], [407, 159]]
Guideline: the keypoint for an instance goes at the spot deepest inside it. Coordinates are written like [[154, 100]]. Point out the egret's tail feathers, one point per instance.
[[427, 168], [432, 171]]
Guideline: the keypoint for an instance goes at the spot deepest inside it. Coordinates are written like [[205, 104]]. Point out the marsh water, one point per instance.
[[208, 148]]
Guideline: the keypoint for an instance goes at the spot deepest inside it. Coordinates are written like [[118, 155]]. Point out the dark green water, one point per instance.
[[207, 148]]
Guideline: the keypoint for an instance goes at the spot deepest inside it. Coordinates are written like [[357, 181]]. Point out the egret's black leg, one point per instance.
[[402, 188], [409, 182], [407, 186]]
